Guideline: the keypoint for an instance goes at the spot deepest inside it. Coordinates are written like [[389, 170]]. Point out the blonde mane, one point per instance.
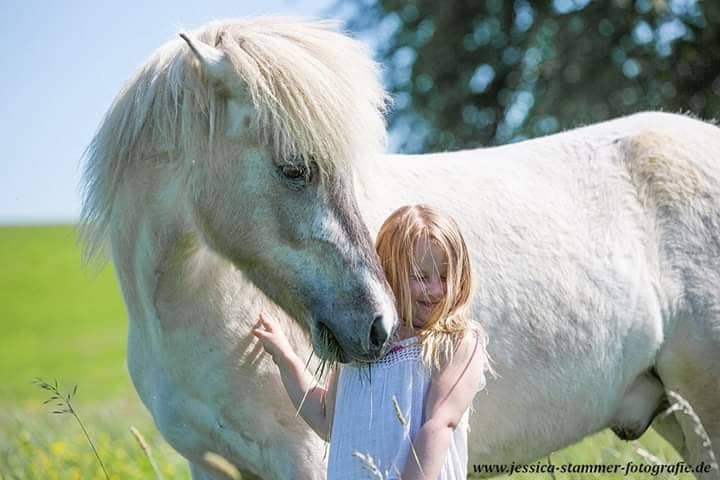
[[315, 92]]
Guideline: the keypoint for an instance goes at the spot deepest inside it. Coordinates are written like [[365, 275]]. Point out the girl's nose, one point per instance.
[[436, 288]]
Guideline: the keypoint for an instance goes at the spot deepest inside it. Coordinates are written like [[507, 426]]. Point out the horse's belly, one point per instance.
[[553, 393], [529, 424]]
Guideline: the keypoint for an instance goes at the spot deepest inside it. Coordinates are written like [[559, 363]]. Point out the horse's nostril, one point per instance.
[[378, 333]]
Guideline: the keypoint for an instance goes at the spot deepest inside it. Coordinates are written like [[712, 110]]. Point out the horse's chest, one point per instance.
[[181, 423], [187, 423]]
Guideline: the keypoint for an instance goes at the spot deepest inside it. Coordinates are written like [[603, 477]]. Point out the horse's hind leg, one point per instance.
[[689, 365], [668, 427]]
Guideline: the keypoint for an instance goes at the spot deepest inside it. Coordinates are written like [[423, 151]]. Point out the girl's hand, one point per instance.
[[273, 339]]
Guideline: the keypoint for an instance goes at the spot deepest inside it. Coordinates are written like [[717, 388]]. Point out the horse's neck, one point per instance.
[[173, 282]]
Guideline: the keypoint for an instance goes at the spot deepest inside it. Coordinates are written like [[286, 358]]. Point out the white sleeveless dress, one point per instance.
[[366, 421]]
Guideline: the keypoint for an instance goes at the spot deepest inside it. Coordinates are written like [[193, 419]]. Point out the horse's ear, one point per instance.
[[216, 64]]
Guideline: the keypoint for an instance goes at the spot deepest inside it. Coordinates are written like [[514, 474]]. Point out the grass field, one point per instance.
[[58, 322]]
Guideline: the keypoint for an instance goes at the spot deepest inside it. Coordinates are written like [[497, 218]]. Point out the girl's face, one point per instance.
[[429, 287]]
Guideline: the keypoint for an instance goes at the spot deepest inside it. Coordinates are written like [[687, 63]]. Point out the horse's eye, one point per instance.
[[294, 172]]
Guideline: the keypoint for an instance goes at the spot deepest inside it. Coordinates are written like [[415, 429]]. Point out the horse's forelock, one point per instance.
[[316, 93]]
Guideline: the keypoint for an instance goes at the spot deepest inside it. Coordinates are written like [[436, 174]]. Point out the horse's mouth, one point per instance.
[[328, 347]]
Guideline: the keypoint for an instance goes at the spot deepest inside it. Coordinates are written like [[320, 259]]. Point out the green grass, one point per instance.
[[35, 444], [58, 321]]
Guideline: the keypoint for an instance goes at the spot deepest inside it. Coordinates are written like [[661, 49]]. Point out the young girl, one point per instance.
[[407, 413]]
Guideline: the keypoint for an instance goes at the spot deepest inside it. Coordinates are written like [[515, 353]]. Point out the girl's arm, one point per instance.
[[451, 392], [296, 379]]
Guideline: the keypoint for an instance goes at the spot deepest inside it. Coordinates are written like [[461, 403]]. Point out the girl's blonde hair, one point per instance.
[[396, 246]]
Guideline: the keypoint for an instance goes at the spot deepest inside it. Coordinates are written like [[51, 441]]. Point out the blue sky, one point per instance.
[[61, 65]]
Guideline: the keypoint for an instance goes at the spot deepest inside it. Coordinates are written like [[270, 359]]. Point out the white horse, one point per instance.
[[237, 171]]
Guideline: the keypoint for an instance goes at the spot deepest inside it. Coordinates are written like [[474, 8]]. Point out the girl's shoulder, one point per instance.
[[469, 355]]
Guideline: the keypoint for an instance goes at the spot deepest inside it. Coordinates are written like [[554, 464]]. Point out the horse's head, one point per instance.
[[291, 109]]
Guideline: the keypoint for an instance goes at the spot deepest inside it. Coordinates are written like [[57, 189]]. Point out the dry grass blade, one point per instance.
[[404, 422], [647, 456], [552, 472], [146, 450], [398, 412], [220, 464], [302, 402], [682, 405], [369, 464]]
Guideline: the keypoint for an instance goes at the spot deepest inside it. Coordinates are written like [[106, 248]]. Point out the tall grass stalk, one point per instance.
[[681, 405], [552, 473], [63, 405], [146, 450], [369, 464], [404, 422]]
